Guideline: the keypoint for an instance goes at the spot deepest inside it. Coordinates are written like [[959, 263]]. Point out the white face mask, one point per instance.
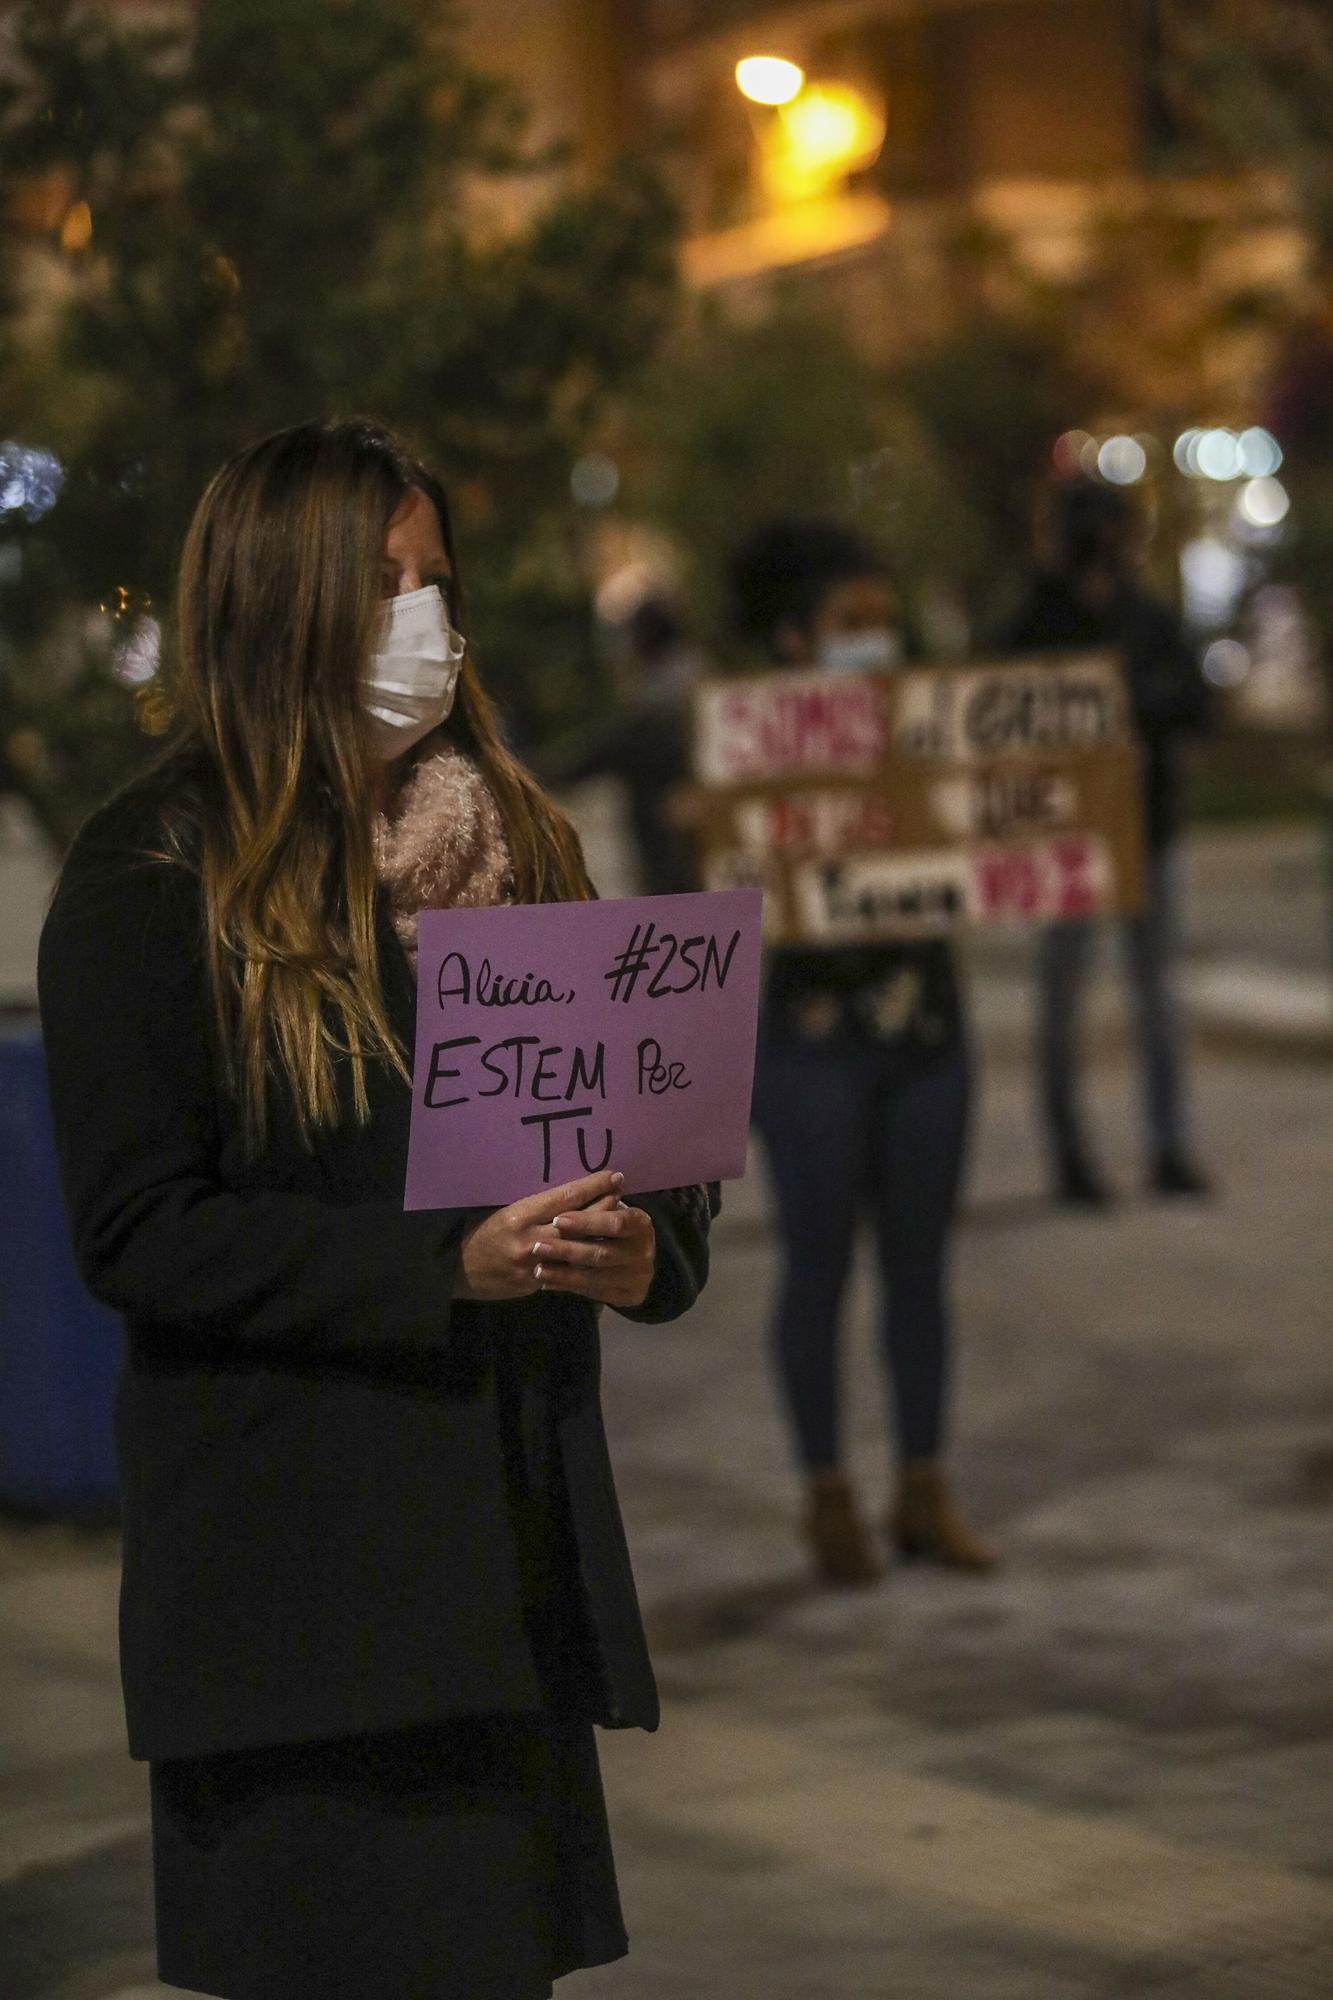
[[408, 688], [876, 650]]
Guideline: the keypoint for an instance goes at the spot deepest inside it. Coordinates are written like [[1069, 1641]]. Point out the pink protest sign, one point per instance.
[[556, 1039]]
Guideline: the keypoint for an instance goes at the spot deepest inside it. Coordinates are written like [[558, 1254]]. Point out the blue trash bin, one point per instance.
[[59, 1349]]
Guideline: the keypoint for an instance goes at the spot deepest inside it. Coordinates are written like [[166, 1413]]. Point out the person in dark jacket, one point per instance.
[[376, 1590], [645, 744], [861, 1100], [1089, 596]]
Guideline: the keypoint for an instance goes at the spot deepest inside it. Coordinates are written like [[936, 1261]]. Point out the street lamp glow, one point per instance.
[[830, 125], [769, 79], [829, 131]]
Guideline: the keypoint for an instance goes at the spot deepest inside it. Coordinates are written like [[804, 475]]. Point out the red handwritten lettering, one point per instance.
[[775, 728]]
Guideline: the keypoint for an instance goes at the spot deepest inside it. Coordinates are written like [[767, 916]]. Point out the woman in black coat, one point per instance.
[[376, 1590]]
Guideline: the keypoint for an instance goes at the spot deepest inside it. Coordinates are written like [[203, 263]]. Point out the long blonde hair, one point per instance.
[[278, 612]]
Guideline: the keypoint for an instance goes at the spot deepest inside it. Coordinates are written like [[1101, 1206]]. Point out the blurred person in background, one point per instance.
[[645, 745], [376, 1590], [861, 1101], [1087, 594]]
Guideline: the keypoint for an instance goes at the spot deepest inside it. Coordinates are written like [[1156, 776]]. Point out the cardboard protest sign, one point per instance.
[[877, 806], [556, 1039]]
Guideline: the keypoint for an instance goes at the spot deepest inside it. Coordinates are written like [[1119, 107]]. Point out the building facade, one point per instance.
[[1017, 141]]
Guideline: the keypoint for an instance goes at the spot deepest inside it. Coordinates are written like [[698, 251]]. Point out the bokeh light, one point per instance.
[[1068, 449], [594, 480], [30, 480], [769, 79], [1212, 574], [1122, 460], [1260, 452], [1226, 663], [1185, 450], [139, 655], [1263, 503], [76, 230], [827, 131], [1218, 455]]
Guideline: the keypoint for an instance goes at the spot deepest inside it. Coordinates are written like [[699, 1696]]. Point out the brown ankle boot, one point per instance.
[[925, 1525], [837, 1533]]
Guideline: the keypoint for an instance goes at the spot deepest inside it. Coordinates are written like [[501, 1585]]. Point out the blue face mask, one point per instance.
[[876, 650]]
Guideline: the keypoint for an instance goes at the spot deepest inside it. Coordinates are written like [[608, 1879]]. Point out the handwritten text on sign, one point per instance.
[[558, 1039], [879, 806]]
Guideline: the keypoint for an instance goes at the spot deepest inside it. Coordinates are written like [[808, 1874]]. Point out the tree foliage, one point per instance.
[[292, 213], [936, 459], [1254, 84]]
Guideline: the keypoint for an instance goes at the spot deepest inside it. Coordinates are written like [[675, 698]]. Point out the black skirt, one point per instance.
[[465, 1861], [468, 1859]]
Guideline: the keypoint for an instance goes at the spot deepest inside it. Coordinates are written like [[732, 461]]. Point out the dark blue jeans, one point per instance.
[[852, 1126], [1149, 942]]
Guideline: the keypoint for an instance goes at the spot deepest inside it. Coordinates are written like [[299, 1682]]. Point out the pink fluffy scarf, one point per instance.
[[444, 848]]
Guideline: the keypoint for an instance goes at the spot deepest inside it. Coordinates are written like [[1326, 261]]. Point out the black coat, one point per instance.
[[1167, 691], [317, 1538]]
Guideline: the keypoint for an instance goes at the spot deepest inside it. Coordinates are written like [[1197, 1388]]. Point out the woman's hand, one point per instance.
[[605, 1251], [501, 1252]]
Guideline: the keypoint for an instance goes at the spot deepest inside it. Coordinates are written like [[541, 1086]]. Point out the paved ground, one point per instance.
[[1107, 1772]]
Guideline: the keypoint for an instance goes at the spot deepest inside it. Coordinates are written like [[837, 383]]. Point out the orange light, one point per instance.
[[76, 231], [828, 131]]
